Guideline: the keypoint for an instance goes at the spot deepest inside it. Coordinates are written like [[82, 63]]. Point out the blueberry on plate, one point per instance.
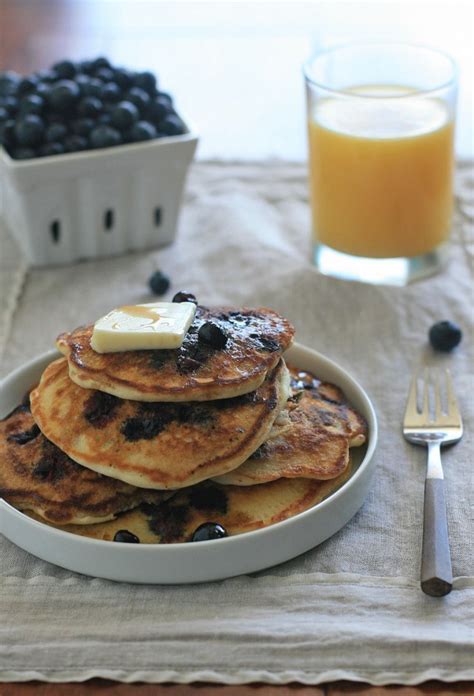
[[55, 132], [143, 130], [445, 335], [8, 83], [4, 115], [209, 531], [105, 136], [123, 78], [65, 69], [184, 297], [104, 74], [124, 536], [10, 104], [100, 62], [139, 97], [212, 335], [124, 115], [63, 95], [26, 85], [158, 110], [29, 130], [159, 283]]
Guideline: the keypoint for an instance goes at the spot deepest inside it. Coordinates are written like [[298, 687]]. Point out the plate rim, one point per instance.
[[178, 547]]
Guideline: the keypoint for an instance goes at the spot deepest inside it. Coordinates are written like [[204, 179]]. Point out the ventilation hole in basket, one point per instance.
[[157, 216], [55, 231], [109, 219]]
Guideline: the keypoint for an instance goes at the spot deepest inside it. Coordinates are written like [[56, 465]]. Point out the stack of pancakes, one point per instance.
[[158, 443]]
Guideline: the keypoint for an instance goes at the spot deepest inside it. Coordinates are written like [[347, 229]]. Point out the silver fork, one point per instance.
[[434, 426]]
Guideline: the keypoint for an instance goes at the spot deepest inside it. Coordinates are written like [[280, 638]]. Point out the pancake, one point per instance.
[[36, 476], [193, 372], [236, 508], [163, 446], [313, 442]]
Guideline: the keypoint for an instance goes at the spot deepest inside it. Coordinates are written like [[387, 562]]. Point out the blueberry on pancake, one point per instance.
[[225, 353], [36, 476]]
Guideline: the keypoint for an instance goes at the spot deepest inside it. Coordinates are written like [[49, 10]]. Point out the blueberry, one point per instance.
[[445, 335], [23, 153], [10, 104], [147, 81], [7, 133], [104, 119], [29, 130], [82, 126], [104, 74], [31, 104], [99, 63], [209, 531], [184, 297], [124, 115], [172, 125], [75, 143], [27, 85], [165, 97], [85, 67], [139, 97], [158, 110], [64, 94], [55, 132], [8, 83], [159, 283], [212, 335], [47, 76], [89, 106], [124, 78], [4, 115], [123, 535], [42, 90], [105, 136], [143, 130], [65, 69], [50, 149], [111, 92], [92, 87]]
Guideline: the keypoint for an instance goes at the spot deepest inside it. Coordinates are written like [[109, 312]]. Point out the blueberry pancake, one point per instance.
[[36, 476], [232, 359], [155, 445], [198, 512], [313, 442]]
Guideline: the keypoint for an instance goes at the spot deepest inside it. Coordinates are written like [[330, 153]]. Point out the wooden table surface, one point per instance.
[[33, 34]]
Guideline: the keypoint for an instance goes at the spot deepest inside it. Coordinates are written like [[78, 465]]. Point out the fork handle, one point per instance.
[[436, 572]]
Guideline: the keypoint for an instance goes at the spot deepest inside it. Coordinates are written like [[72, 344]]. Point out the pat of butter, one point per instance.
[[143, 327]]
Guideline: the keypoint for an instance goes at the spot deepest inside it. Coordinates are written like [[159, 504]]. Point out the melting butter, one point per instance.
[[143, 327]]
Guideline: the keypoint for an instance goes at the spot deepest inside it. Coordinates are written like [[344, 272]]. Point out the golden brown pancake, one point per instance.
[[159, 445], [312, 443], [193, 372], [35, 475], [236, 508]]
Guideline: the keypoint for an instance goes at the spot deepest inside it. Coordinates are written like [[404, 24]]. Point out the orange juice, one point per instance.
[[381, 173]]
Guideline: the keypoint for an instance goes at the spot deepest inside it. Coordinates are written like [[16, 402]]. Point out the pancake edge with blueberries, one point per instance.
[[36, 476], [311, 441], [255, 341], [235, 508], [155, 445]]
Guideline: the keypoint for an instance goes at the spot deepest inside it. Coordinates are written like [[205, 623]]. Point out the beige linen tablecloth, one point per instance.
[[349, 609]]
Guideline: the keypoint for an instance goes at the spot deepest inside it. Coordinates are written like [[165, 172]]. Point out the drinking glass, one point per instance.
[[381, 131]]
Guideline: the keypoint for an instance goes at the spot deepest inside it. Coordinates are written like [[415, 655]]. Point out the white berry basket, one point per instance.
[[96, 203]]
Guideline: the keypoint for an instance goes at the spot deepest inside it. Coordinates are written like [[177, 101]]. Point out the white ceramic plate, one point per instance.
[[206, 560]]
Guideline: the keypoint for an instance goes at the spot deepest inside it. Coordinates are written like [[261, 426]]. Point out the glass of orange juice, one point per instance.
[[380, 130]]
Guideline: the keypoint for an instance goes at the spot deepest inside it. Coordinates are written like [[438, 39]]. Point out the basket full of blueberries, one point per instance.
[[79, 106]]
